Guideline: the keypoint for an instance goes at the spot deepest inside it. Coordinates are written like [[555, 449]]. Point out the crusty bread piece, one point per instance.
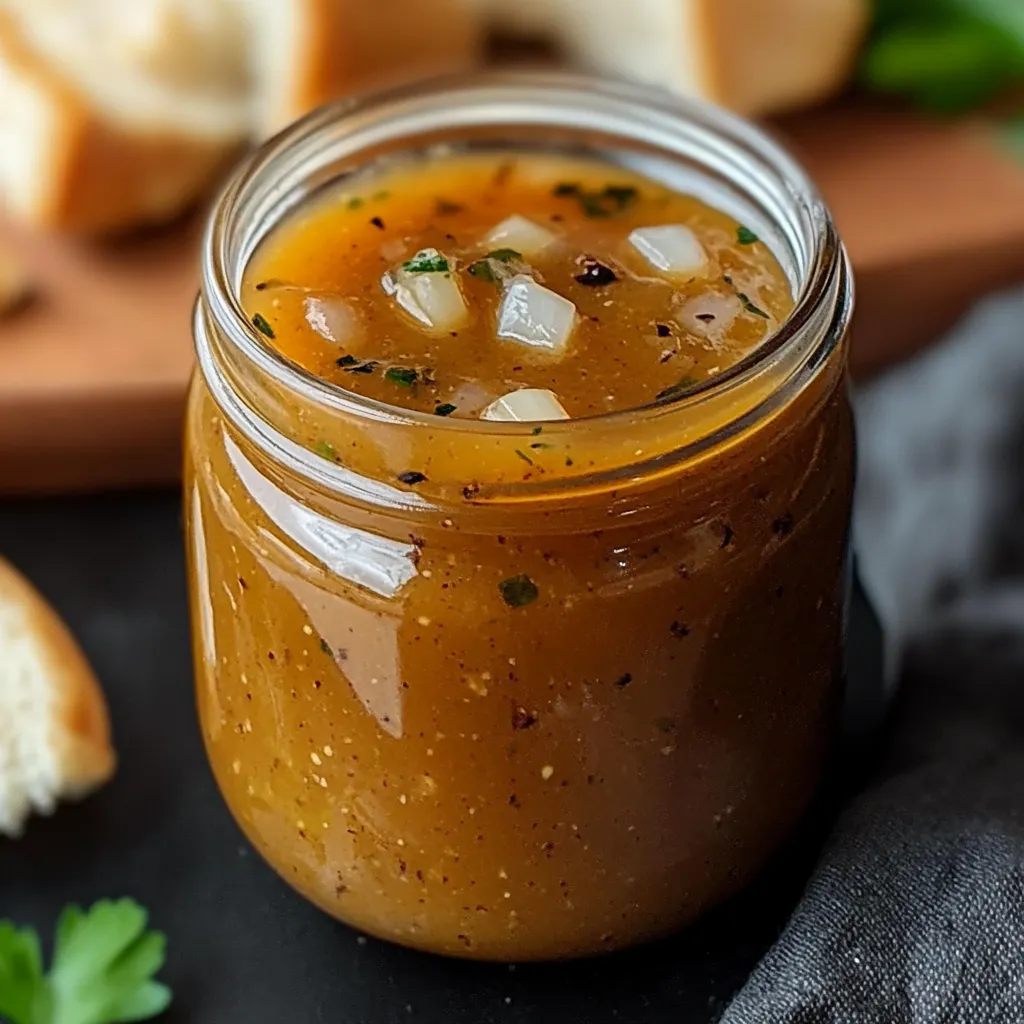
[[753, 56], [115, 113], [309, 52], [54, 731], [94, 137]]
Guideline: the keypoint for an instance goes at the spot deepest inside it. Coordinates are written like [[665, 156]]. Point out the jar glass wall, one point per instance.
[[419, 755]]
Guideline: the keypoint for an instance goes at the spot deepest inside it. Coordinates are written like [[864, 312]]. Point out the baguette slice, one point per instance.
[[753, 56], [54, 730], [309, 52], [101, 131]]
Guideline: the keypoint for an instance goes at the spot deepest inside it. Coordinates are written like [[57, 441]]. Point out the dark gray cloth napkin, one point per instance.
[[915, 914]]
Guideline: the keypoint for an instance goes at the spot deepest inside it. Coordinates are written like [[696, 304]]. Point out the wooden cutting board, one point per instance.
[[93, 375]]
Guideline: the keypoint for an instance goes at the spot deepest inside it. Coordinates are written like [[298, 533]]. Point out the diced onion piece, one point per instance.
[[710, 315], [523, 235], [432, 298], [535, 315], [526, 406], [671, 248], [332, 318]]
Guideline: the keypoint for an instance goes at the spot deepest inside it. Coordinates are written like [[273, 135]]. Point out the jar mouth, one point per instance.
[[734, 164]]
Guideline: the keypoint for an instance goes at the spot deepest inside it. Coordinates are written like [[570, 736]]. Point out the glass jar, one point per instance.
[[447, 768]]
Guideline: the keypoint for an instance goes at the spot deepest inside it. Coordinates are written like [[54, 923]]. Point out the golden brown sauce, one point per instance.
[[502, 727], [636, 336]]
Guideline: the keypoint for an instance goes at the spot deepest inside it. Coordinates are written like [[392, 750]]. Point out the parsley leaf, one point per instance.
[[260, 323], [609, 201], [403, 376], [104, 961], [518, 591], [946, 55], [745, 236], [325, 450], [427, 261], [445, 409]]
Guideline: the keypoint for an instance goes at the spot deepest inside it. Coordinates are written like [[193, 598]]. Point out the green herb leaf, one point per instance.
[[325, 450], [24, 997], [750, 307], [518, 591], [347, 361], [260, 323], [745, 236], [446, 409], [504, 255], [355, 202], [326, 648], [428, 261], [609, 201], [104, 961], [946, 55], [403, 376], [526, 458], [484, 271]]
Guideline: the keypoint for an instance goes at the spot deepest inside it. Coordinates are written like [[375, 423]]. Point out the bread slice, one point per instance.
[[54, 730], [95, 133], [753, 56], [308, 52]]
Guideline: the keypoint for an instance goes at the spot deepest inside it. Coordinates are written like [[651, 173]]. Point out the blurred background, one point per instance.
[[118, 121]]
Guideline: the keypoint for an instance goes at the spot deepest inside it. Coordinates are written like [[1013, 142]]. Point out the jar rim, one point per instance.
[[637, 114]]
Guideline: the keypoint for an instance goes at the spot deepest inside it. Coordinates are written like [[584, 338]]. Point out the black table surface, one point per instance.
[[242, 947]]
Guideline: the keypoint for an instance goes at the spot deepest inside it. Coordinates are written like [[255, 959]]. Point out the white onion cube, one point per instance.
[[432, 298], [535, 315], [671, 248], [332, 318], [529, 405], [523, 235]]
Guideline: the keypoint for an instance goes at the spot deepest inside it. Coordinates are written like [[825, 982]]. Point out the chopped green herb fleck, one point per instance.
[[677, 389], [426, 262], [325, 450], [745, 299], [446, 409], [368, 367], [526, 458], [355, 202], [412, 478], [403, 376], [611, 200], [483, 270], [347, 361], [745, 236], [542, 446], [518, 591], [504, 255], [326, 648], [750, 307], [537, 431], [260, 323]]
